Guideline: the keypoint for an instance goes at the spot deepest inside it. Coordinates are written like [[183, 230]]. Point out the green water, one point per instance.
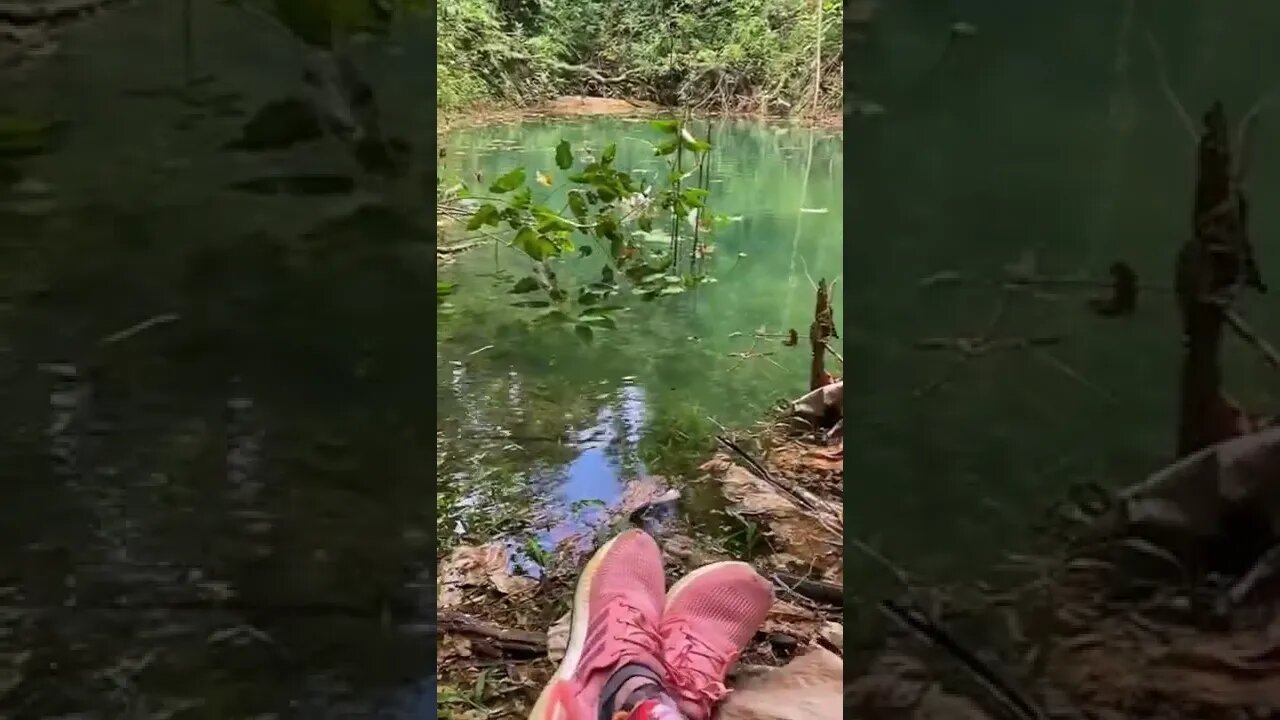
[[585, 419], [1046, 131]]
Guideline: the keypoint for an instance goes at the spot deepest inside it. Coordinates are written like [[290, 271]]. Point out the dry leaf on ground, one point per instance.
[[478, 566]]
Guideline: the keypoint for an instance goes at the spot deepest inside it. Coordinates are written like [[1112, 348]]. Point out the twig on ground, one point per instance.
[[812, 590], [523, 642], [819, 508], [819, 514]]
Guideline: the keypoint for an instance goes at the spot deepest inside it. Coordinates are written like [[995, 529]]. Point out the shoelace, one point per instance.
[[635, 630], [704, 686]]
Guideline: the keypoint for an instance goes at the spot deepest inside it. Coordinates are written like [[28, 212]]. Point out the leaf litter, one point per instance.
[[512, 630]]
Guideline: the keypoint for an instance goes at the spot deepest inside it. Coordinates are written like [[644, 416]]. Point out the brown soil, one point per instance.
[[581, 105]]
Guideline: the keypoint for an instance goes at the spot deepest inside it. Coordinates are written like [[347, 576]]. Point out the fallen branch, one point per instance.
[[919, 624], [460, 247], [1246, 333], [815, 590], [593, 73], [801, 499], [519, 642]]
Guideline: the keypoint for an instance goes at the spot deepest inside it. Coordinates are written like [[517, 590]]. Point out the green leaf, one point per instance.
[[584, 332], [486, 214], [444, 290], [610, 152], [532, 244], [607, 227], [525, 284], [522, 199], [564, 155], [554, 315], [666, 147], [577, 204], [508, 182], [665, 126], [550, 221], [692, 143], [694, 197]]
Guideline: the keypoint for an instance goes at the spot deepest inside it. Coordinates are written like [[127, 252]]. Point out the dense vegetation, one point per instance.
[[781, 56]]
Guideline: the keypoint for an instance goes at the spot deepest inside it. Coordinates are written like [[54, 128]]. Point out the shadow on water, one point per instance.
[[214, 332]]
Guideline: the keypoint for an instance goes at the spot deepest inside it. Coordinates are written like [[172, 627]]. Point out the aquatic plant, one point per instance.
[[653, 237]]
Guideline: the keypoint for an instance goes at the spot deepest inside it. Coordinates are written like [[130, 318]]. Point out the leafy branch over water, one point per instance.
[[653, 238]]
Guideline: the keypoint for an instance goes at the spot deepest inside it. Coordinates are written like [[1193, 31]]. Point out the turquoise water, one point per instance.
[[585, 419]]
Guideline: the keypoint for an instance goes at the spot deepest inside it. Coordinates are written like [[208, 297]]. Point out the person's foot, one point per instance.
[[710, 616], [614, 654]]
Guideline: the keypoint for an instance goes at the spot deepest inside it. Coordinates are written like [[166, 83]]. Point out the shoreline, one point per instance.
[[485, 114]]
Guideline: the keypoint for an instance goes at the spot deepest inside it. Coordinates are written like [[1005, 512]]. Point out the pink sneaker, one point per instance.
[[710, 616], [616, 610]]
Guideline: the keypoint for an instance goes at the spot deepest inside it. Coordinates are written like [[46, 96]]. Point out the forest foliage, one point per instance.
[[736, 55]]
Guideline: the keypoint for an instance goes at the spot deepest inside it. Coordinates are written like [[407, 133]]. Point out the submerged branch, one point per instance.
[[1247, 333], [136, 328], [1172, 97]]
